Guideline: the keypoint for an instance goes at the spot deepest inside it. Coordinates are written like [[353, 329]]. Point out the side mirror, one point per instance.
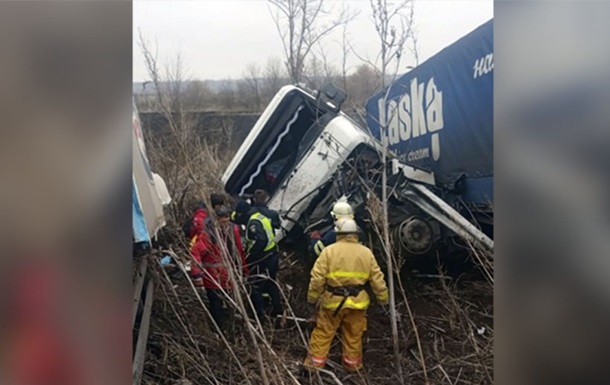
[[333, 95]]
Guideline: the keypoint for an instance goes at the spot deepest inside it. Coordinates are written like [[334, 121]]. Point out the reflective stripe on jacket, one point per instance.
[[273, 215], [346, 263], [267, 227], [192, 242]]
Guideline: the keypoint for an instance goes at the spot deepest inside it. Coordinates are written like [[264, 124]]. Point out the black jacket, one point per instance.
[[273, 215], [255, 232]]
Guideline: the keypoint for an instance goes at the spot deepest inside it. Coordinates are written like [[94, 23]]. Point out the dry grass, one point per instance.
[[438, 322], [453, 315]]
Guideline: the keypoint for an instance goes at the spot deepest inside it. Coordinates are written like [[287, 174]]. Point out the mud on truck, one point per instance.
[[436, 123]]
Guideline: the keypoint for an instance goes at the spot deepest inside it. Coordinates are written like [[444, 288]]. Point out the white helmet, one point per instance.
[[342, 210], [346, 226]]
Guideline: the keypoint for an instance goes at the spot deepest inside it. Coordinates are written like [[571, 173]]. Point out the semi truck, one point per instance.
[[432, 126]]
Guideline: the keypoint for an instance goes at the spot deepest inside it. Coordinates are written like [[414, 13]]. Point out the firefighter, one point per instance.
[[337, 289], [211, 268], [340, 210], [262, 257]]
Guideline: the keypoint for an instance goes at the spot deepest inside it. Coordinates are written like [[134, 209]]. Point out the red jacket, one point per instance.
[[198, 222], [208, 255]]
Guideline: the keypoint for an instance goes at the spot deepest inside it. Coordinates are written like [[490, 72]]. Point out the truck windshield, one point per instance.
[[292, 127]]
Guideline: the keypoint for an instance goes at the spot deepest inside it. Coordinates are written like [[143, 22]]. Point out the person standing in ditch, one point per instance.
[[231, 241], [262, 257], [337, 288], [214, 253], [195, 223], [259, 201]]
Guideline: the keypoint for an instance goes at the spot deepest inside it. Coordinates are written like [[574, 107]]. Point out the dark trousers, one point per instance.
[[271, 287], [262, 276], [215, 300]]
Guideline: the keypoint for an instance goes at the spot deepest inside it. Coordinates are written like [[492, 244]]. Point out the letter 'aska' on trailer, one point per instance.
[[439, 116]]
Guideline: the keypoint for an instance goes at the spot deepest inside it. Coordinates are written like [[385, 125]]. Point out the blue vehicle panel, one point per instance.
[[439, 116]]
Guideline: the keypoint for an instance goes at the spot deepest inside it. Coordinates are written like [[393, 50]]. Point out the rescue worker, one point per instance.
[[201, 216], [262, 257], [231, 239], [211, 268], [340, 210], [337, 288], [259, 201], [191, 227]]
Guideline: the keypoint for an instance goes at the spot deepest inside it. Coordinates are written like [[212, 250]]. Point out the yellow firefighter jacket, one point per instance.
[[346, 263]]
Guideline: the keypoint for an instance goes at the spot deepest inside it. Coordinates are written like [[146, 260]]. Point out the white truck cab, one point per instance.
[[294, 151]]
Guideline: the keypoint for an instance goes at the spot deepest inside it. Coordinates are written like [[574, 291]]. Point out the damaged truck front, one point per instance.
[[307, 155]]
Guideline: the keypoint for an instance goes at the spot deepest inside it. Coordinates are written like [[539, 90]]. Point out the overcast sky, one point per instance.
[[217, 39]]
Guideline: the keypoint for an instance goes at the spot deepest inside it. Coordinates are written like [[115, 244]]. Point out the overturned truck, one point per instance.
[[434, 126]]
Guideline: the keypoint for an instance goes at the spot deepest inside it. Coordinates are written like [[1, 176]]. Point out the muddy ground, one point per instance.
[[452, 310]]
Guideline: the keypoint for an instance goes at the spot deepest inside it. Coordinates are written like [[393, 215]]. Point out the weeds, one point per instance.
[[442, 328]]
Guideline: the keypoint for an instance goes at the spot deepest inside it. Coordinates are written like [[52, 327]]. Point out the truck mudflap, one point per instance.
[[438, 209]]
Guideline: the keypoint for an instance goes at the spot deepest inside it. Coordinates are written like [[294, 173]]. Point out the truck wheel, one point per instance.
[[415, 235]]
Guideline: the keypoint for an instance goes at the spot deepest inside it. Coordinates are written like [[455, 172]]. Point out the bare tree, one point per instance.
[[314, 73], [227, 95], [319, 70], [393, 22], [344, 57], [274, 77], [299, 24], [394, 25], [330, 72], [361, 84], [189, 163], [252, 80], [197, 96]]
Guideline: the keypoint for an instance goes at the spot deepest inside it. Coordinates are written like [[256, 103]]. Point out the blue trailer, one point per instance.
[[439, 117]]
